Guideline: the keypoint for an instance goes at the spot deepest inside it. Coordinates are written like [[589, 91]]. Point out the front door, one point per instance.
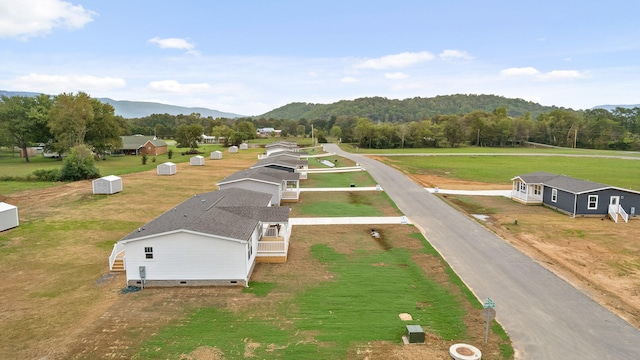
[[614, 200]]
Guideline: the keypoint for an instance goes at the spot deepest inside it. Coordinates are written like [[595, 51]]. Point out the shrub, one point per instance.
[[79, 165], [47, 175], [144, 159], [170, 153]]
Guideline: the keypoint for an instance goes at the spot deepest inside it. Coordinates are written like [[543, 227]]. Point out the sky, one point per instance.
[[251, 56]]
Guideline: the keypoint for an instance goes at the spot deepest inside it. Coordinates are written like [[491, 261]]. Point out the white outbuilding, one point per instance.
[[167, 168], [216, 155], [8, 216], [244, 146], [233, 149], [197, 160], [109, 184]]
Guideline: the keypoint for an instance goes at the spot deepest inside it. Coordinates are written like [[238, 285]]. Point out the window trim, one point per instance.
[[554, 195], [148, 252], [594, 201]]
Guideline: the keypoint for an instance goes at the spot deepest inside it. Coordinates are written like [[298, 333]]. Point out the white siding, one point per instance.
[[167, 168], [216, 155], [187, 256], [197, 160], [107, 185], [8, 216]]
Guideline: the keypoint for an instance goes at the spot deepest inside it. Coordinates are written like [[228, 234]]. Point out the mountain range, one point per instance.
[[375, 108]]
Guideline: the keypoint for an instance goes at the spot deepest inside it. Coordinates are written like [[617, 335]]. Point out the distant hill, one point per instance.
[[414, 109], [613, 107], [137, 109]]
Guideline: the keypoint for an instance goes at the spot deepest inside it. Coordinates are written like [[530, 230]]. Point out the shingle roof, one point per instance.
[[232, 213], [136, 141], [263, 174], [562, 182], [281, 160]]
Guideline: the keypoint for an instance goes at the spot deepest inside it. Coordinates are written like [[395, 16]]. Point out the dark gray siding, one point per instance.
[[564, 202]]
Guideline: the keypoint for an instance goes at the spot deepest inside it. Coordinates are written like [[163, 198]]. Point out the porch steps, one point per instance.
[[118, 263]]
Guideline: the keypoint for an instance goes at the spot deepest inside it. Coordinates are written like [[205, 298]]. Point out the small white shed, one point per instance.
[[216, 155], [167, 168], [110, 184], [233, 149], [8, 216], [197, 160], [244, 146]]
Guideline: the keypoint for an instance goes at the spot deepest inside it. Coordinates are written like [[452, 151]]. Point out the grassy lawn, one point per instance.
[[488, 150], [364, 285], [344, 203], [338, 180], [501, 169], [59, 304]]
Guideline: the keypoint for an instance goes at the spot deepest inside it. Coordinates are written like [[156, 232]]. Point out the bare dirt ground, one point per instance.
[[597, 255]]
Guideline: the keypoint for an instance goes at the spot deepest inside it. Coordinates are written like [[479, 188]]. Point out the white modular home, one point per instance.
[[110, 184], [284, 186], [210, 239], [216, 155], [167, 168], [8, 216], [197, 160]]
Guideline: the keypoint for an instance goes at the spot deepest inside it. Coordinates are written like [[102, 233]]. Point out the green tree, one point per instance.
[[188, 136], [336, 132], [69, 120], [454, 131], [23, 121], [103, 132], [79, 165]]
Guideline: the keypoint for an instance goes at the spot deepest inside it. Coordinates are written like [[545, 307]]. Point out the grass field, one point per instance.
[[59, 300], [501, 169]]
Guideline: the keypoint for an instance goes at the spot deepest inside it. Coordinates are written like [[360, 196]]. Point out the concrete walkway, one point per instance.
[[505, 193], [349, 220], [364, 188]]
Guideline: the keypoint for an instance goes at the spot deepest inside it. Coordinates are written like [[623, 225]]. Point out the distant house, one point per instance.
[[286, 163], [267, 131], [140, 145], [284, 186], [574, 196], [206, 139], [215, 238]]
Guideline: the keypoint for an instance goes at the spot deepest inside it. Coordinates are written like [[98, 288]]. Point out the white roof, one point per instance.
[[4, 206], [111, 178], [168, 163]]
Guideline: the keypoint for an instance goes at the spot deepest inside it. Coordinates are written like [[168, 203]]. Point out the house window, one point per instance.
[[593, 202], [554, 195], [537, 189], [250, 250], [523, 187], [148, 252]]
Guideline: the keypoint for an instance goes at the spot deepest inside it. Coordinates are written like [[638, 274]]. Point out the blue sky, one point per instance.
[[249, 57]]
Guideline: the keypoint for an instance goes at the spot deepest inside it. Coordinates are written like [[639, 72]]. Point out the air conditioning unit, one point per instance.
[[415, 334]]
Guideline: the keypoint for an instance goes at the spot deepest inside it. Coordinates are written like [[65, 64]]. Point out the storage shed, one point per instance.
[[197, 160], [8, 216], [244, 146], [233, 149], [216, 155], [167, 168], [110, 184]]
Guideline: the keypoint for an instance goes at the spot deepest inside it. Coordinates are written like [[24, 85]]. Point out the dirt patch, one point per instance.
[[598, 256]]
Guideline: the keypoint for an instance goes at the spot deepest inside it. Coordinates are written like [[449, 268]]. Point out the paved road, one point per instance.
[[545, 317]]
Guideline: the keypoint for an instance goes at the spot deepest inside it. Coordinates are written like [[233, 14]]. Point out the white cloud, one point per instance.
[[174, 43], [173, 86], [563, 75], [401, 60], [523, 71], [452, 55], [348, 80], [536, 74], [28, 18], [396, 76], [54, 84]]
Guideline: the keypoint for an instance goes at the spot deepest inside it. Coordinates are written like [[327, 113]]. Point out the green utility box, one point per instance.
[[415, 334]]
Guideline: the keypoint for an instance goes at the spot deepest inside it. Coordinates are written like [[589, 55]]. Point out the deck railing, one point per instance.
[[618, 210], [265, 247], [613, 213], [528, 198], [117, 249]]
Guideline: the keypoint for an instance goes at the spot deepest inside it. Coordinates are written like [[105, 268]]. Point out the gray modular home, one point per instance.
[[574, 196]]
